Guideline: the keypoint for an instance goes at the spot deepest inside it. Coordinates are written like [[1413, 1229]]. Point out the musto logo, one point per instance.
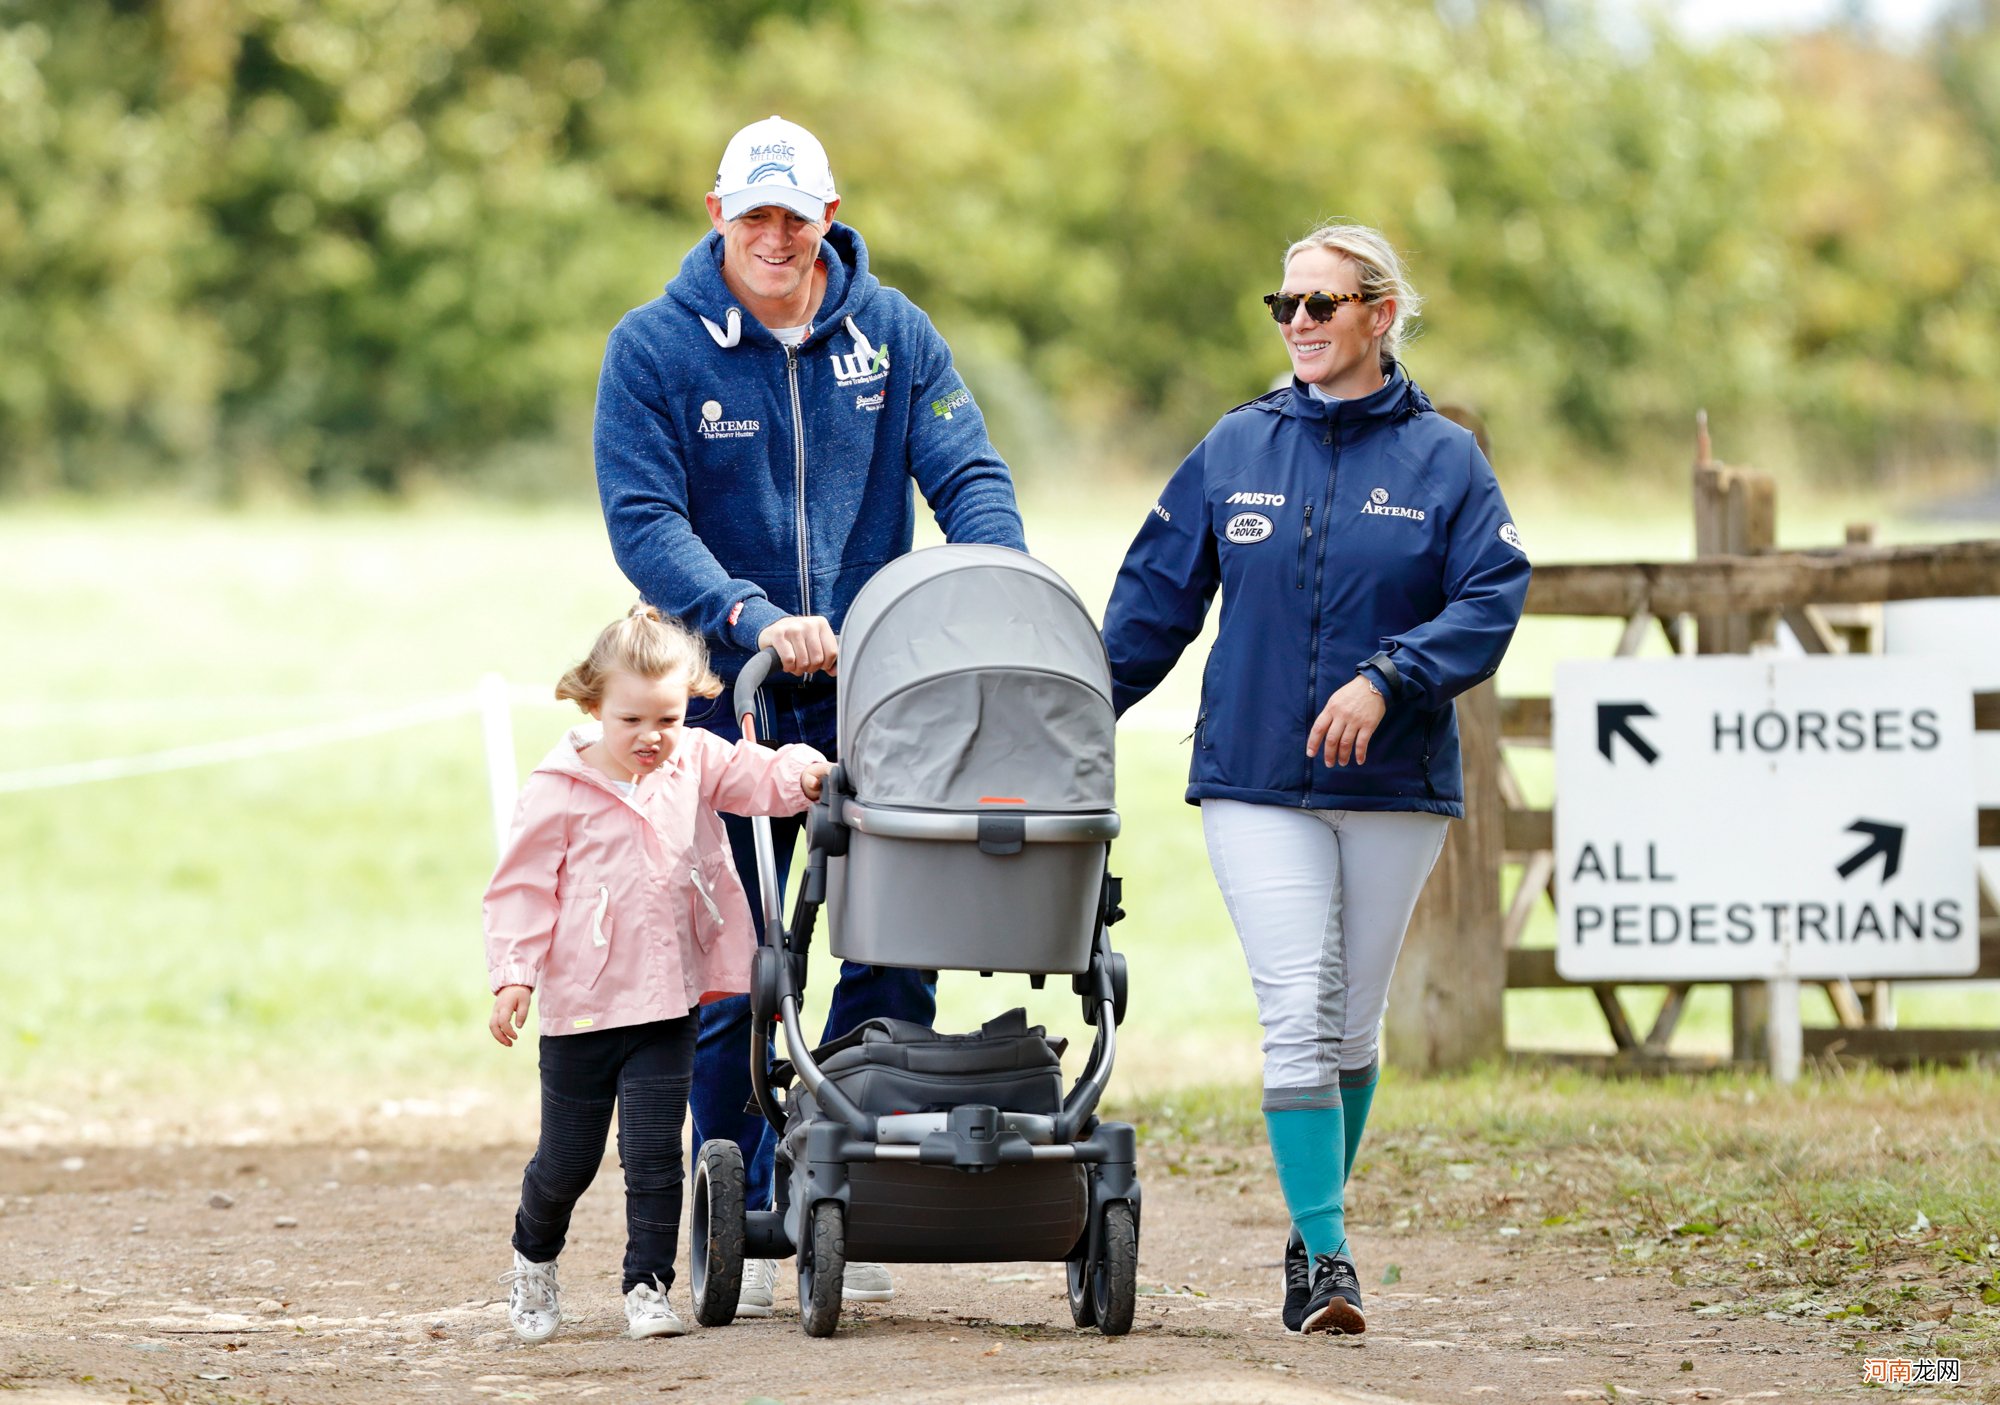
[[714, 426], [1247, 527]]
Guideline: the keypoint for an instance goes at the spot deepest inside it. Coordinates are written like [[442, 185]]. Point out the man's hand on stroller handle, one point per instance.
[[510, 1012], [805, 644]]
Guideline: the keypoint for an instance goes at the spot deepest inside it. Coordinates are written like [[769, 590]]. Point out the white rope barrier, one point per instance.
[[183, 758], [493, 700]]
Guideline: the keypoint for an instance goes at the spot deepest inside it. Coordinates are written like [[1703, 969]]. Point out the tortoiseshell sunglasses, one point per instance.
[[1319, 305]]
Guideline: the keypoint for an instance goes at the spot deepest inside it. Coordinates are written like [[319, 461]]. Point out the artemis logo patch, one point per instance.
[[1247, 527], [714, 426], [1162, 513], [1511, 537], [957, 400], [1378, 506], [1257, 499]]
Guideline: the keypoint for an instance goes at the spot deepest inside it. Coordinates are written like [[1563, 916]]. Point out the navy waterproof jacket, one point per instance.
[[743, 481], [1362, 534]]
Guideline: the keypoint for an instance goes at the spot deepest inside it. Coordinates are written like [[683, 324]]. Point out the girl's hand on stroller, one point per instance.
[[813, 778], [805, 644], [510, 1012]]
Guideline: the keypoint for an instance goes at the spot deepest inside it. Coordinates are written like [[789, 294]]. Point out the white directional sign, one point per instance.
[[1758, 818]]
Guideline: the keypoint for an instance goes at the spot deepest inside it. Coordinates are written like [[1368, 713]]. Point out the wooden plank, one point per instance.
[[1810, 628], [1535, 877], [1614, 1016], [1525, 831], [1985, 712], [1723, 584], [1525, 721], [1900, 1048], [1989, 828], [1447, 1002], [1636, 630], [1662, 1031], [1753, 503], [1846, 1004]]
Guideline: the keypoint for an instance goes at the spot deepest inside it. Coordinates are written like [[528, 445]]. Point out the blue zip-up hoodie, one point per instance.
[[1365, 534], [743, 481]]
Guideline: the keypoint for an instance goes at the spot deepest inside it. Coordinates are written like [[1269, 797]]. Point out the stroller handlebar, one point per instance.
[[748, 682]]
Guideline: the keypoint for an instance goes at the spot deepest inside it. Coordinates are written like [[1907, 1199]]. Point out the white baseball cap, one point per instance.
[[775, 162]]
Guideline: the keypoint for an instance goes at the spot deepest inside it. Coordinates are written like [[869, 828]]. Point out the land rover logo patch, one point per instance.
[[1247, 527]]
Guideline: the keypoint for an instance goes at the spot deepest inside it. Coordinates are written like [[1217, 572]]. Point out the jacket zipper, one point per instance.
[[799, 469], [1304, 537], [1313, 702]]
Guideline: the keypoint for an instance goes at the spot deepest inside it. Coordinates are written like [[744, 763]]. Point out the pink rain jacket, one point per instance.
[[621, 911]]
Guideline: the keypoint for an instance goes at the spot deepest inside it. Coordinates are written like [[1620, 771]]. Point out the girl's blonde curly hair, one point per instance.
[[648, 645]]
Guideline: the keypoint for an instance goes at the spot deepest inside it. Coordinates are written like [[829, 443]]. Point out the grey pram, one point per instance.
[[968, 827]]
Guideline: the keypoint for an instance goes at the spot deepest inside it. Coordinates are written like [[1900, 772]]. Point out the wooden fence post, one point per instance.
[[1447, 1002], [1735, 514]]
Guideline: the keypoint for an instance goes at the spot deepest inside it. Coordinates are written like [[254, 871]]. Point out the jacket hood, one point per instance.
[[1398, 399], [565, 758], [699, 289]]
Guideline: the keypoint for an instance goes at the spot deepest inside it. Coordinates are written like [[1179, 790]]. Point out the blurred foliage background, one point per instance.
[[310, 247]]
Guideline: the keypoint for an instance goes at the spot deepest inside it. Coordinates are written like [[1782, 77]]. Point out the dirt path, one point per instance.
[[356, 1274]]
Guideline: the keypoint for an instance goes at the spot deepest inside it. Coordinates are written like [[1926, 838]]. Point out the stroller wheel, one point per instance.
[[715, 1232], [1114, 1277], [821, 1269], [1082, 1306]]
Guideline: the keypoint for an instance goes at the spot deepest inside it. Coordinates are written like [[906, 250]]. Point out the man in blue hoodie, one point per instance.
[[759, 427]]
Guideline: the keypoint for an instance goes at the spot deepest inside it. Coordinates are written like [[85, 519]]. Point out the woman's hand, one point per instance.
[[1345, 724], [510, 1012], [812, 778]]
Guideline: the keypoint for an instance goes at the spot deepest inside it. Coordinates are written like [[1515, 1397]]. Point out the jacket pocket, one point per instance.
[[705, 911], [585, 933]]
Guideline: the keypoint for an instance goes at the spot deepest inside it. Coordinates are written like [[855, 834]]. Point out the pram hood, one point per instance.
[[974, 674]]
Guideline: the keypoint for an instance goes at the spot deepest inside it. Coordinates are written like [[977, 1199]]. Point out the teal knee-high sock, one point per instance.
[[1306, 1145], [1356, 1097]]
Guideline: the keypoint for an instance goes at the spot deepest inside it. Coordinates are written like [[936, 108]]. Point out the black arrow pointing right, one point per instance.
[[1615, 720], [1883, 839]]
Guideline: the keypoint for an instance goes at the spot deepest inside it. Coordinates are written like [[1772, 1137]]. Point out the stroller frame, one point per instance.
[[975, 1183]]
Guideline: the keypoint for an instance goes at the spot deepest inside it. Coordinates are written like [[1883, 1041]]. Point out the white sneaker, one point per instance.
[[534, 1305], [649, 1314], [867, 1283], [760, 1283]]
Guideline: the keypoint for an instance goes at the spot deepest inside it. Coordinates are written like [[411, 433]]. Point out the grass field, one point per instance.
[[304, 926]]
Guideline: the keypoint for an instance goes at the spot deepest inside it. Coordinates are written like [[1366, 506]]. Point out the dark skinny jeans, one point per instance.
[[645, 1070]]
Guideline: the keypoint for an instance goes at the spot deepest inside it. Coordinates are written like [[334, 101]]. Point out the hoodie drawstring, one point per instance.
[[733, 335]]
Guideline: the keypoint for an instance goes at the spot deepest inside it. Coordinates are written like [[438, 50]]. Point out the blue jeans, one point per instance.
[[722, 1052], [644, 1070]]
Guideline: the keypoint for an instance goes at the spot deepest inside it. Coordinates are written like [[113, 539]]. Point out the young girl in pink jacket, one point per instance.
[[617, 901]]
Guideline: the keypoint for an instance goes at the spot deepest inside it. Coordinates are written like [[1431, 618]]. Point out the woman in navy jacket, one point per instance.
[[1369, 573]]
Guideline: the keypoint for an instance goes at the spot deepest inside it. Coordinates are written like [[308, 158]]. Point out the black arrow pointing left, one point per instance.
[[1883, 839]]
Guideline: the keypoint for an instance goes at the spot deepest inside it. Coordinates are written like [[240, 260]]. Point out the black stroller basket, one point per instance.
[[898, 1144]]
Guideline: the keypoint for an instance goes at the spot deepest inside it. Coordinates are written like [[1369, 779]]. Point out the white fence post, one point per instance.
[[1787, 1039], [496, 725]]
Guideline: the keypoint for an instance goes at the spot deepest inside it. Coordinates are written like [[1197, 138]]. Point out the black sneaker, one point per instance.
[[1335, 1305], [1298, 1282]]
